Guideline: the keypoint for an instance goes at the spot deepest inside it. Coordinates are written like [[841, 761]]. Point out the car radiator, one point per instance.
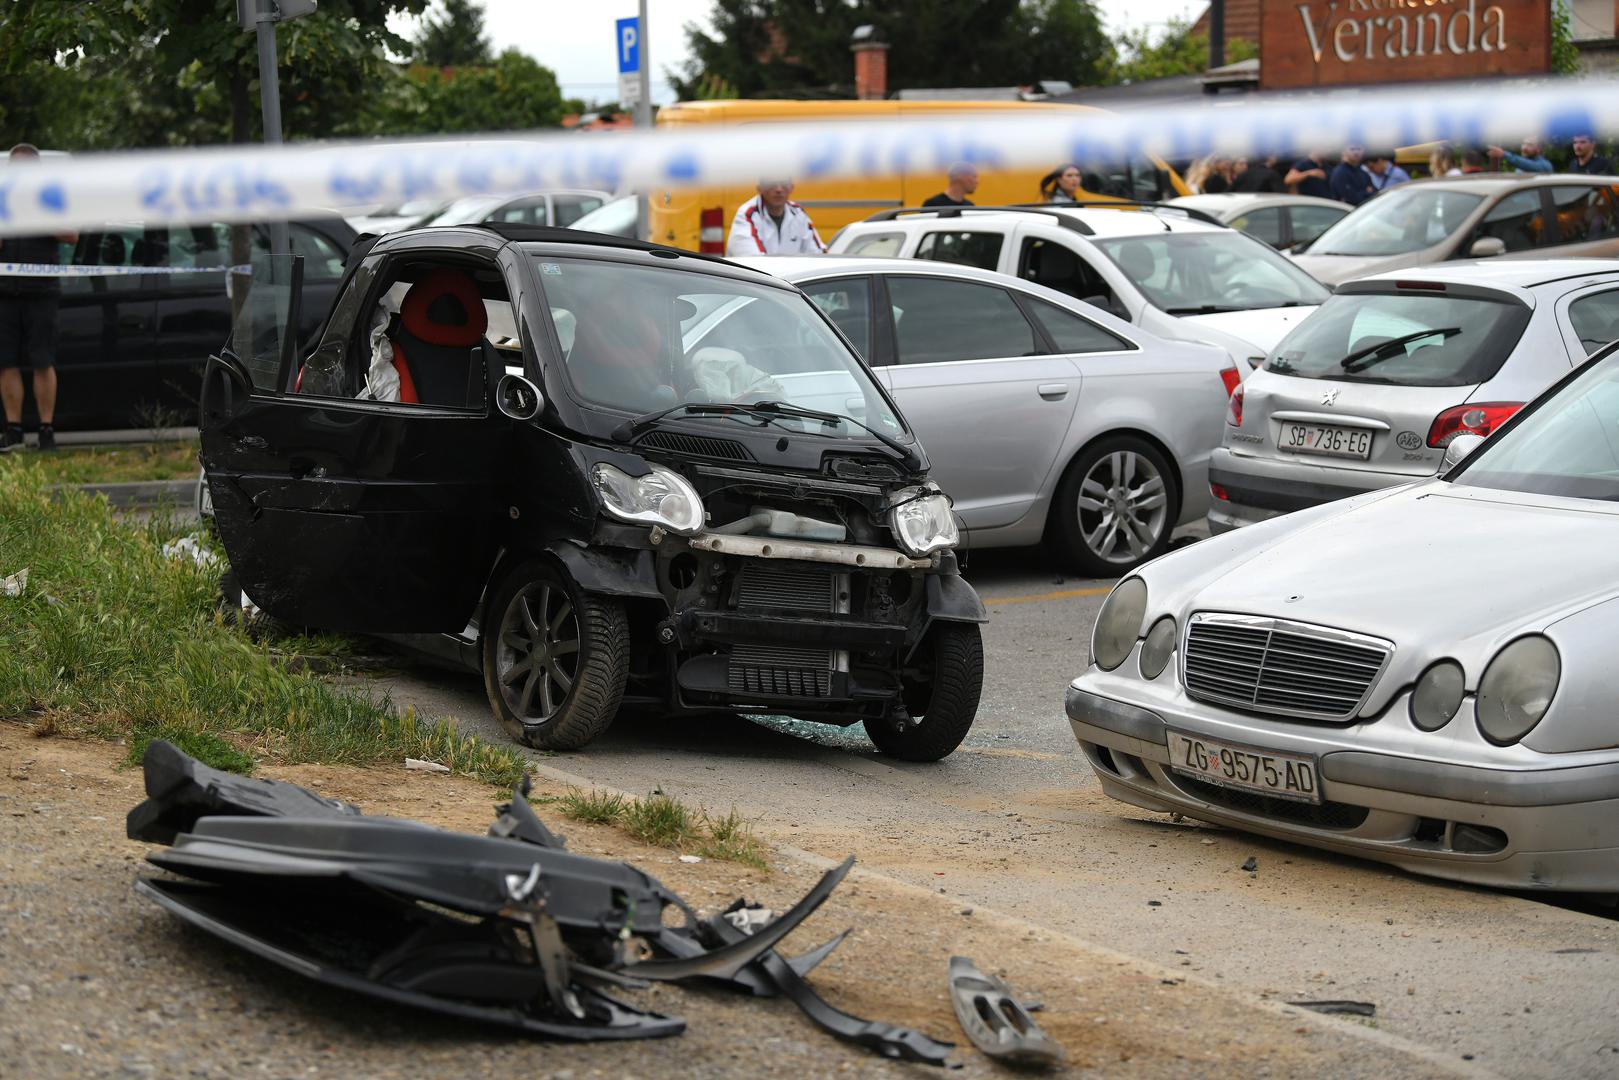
[[786, 669]]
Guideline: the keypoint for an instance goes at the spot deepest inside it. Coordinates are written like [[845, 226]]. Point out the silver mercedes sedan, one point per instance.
[[1420, 675]]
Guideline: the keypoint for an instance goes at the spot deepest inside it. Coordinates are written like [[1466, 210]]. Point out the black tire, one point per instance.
[[944, 703], [585, 660], [1131, 499]]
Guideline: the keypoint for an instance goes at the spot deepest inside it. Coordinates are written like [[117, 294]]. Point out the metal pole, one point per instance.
[[643, 116], [270, 102], [1216, 33]]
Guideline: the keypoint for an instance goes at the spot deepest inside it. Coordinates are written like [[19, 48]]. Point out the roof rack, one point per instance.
[[956, 211], [1133, 204]]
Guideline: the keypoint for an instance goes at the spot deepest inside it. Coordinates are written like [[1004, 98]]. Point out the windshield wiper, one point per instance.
[[1204, 309], [1361, 359], [766, 411]]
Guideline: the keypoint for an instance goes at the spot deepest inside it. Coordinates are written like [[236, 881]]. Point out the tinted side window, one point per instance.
[[1072, 334], [523, 212], [323, 259], [979, 249], [1595, 319], [1515, 221], [1264, 224], [570, 208], [1584, 213], [114, 245], [1310, 222], [937, 320], [1057, 266], [847, 302]]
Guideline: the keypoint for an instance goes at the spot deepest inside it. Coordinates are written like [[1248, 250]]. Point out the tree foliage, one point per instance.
[[515, 92], [89, 74], [800, 48], [455, 38], [1176, 52]]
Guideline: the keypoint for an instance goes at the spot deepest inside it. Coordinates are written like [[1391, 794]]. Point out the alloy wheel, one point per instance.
[[1123, 507], [537, 660]]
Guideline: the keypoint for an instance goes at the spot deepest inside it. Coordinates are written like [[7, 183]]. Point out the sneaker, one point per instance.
[[47, 437], [10, 438]]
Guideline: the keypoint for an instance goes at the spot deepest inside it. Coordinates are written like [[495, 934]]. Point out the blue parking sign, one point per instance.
[[629, 45]]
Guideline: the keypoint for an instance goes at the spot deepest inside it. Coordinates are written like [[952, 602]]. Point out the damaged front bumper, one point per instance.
[[508, 928]]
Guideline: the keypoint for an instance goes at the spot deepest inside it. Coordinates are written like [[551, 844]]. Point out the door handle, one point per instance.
[[1053, 391]]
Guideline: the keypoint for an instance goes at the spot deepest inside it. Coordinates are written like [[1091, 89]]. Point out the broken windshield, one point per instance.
[[642, 340]]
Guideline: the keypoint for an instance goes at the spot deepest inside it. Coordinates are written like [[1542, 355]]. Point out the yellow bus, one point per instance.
[[698, 219]]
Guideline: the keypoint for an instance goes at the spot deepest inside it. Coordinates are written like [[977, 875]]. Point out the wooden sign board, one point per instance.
[[1338, 42]]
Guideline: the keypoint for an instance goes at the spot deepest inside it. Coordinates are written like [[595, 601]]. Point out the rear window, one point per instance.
[[980, 249], [1405, 339]]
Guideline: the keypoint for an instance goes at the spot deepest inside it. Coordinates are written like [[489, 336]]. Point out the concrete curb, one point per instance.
[[143, 494], [1301, 1017]]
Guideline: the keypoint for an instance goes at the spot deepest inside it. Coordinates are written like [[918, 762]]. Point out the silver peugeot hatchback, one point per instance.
[[1368, 391]]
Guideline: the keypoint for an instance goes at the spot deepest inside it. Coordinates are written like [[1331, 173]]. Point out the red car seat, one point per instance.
[[440, 323]]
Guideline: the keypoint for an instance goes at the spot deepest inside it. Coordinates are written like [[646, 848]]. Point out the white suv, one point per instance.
[[1177, 273]]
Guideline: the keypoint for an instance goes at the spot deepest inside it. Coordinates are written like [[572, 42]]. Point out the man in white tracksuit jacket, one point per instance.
[[772, 224]]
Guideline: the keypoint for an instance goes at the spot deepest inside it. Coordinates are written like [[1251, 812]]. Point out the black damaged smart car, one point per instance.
[[605, 473]]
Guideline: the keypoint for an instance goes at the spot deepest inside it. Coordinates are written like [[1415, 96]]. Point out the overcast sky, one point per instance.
[[575, 38]]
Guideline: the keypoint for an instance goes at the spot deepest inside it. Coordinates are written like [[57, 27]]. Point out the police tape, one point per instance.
[[266, 183], [77, 270]]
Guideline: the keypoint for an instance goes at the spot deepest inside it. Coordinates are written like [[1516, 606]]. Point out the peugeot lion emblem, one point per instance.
[[1329, 396]]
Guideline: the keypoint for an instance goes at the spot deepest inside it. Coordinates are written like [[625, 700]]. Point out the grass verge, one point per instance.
[[110, 639], [112, 464], [663, 821]]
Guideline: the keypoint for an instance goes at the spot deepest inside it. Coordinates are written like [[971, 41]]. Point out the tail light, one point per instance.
[[1478, 419], [1219, 492], [1232, 379], [711, 231], [1233, 409]]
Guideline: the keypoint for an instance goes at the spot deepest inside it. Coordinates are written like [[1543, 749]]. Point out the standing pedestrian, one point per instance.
[[1586, 158], [1308, 176], [1212, 175], [1384, 172], [770, 223], [1473, 161], [1531, 160], [1442, 162], [1350, 183], [1254, 176], [28, 311], [960, 181], [1061, 185]]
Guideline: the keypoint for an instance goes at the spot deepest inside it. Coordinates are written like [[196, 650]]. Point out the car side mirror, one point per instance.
[[1459, 448], [1487, 247], [518, 398]]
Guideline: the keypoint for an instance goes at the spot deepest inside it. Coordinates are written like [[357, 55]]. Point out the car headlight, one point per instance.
[[1158, 648], [1118, 624], [1437, 696], [1517, 689], [923, 524], [660, 497]]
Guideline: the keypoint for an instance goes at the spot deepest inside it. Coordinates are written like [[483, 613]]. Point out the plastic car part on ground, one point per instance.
[[995, 1021], [509, 928]]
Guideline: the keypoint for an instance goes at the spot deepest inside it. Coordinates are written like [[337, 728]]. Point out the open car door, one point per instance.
[[336, 512]]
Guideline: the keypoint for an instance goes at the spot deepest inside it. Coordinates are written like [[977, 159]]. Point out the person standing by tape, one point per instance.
[[772, 224], [28, 313]]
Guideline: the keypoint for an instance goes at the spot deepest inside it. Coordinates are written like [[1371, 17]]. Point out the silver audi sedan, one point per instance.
[[1421, 675]]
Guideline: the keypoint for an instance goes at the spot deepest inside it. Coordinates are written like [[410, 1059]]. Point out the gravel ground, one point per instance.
[[96, 982]]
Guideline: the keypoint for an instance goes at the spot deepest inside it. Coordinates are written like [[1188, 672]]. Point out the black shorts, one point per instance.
[[28, 332]]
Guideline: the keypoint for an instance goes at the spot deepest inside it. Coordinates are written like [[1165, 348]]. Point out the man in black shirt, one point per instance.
[[960, 181], [1259, 175], [1587, 160], [28, 326]]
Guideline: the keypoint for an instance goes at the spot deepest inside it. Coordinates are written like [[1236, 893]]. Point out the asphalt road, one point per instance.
[[1014, 820]]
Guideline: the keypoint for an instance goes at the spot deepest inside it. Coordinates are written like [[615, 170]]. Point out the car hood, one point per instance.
[[1436, 568], [1261, 327], [1337, 269]]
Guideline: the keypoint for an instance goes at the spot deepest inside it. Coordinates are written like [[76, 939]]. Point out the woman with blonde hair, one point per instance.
[[1442, 162]]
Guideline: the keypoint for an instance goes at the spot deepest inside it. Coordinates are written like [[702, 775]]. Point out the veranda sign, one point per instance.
[[1331, 42]]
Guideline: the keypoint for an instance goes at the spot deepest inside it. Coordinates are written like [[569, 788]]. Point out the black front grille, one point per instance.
[[782, 682], [1327, 815], [676, 442], [1288, 670]]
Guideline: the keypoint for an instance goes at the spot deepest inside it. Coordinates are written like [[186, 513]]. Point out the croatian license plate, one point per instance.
[[1325, 439], [1284, 776]]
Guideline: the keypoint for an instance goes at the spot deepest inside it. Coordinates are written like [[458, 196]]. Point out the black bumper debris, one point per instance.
[[996, 1022]]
